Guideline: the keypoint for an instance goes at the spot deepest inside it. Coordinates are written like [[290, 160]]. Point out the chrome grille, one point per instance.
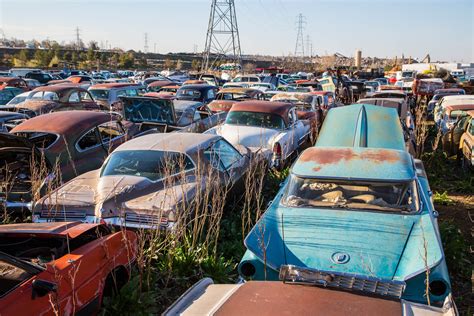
[[146, 219], [64, 215], [341, 280]]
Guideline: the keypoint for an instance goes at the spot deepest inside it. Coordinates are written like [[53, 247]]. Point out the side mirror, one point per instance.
[[42, 287]]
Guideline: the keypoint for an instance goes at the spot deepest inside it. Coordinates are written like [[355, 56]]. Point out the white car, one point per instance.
[[247, 78], [450, 100], [271, 128], [263, 86]]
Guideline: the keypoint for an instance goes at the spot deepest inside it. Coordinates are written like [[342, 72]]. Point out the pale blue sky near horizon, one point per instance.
[[382, 28]]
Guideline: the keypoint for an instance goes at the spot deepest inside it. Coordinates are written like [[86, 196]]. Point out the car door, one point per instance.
[[224, 157], [90, 152], [467, 141], [112, 134]]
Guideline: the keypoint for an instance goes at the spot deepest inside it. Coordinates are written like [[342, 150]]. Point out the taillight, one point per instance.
[[277, 149]]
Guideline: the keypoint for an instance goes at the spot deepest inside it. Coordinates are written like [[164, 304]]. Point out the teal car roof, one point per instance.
[[362, 125], [376, 164]]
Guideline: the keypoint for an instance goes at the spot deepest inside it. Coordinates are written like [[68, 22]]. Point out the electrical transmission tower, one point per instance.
[[78, 39], [222, 40], [145, 47], [300, 23]]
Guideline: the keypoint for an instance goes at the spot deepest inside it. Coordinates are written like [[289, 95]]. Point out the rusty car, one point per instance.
[[164, 113], [65, 268], [308, 107], [450, 114], [204, 93], [64, 97], [354, 215], [272, 128], [54, 148], [226, 97], [148, 182], [438, 95], [300, 292], [14, 82], [459, 139], [108, 94], [157, 86]]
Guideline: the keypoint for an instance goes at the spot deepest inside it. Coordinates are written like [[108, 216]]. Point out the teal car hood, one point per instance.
[[382, 245]]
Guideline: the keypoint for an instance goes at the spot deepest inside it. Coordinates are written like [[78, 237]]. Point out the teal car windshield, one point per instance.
[[100, 94], [391, 197], [256, 119]]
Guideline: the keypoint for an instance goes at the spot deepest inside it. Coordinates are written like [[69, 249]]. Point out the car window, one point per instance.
[[211, 94], [121, 93], [197, 116], [222, 155], [110, 130], [74, 97], [131, 92], [88, 140], [471, 127], [85, 96]]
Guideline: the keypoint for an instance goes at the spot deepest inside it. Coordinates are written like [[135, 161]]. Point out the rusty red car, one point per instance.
[[62, 97], [62, 145], [62, 268], [14, 82]]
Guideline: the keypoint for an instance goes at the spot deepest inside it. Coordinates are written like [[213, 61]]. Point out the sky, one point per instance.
[[381, 28]]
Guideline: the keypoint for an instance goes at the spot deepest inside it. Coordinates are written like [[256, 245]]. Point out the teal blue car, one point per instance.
[[355, 214]]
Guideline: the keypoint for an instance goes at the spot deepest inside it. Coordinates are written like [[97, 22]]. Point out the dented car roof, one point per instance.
[[355, 163]]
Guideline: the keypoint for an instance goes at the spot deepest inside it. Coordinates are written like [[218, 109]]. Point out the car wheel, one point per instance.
[[115, 281]]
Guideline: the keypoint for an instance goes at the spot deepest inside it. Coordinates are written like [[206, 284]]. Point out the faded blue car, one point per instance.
[[366, 125], [357, 219]]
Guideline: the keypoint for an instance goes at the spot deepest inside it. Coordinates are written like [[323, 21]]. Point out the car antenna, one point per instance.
[[283, 239]]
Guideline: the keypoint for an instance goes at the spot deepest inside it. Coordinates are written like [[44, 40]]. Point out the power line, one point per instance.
[[300, 24], [222, 39]]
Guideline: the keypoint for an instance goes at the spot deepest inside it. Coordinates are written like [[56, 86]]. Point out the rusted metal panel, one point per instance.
[[355, 163]]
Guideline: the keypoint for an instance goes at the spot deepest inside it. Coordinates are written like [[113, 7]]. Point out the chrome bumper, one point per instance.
[[112, 221]]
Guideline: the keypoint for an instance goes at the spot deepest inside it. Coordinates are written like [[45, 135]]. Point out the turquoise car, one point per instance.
[[364, 125], [357, 214]]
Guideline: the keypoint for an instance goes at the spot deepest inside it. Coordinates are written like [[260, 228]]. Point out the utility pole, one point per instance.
[[300, 23], [145, 47], [222, 39]]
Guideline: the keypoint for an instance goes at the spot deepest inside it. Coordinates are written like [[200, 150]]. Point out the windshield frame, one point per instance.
[[285, 126], [417, 195], [161, 178]]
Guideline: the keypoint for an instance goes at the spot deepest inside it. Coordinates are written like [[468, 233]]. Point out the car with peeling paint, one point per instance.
[[459, 139], [297, 294], [13, 82], [272, 128], [226, 97], [163, 112], [204, 93], [150, 182], [54, 148], [450, 114], [64, 97], [108, 94], [62, 268], [308, 107], [335, 199]]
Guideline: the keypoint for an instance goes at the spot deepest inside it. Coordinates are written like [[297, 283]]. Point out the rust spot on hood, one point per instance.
[[328, 156]]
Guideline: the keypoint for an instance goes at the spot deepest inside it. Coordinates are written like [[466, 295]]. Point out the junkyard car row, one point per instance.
[[123, 156]]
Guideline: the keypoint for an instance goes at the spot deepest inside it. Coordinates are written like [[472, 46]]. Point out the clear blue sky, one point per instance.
[[382, 28]]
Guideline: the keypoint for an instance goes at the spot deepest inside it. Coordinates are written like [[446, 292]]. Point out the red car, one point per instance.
[[61, 268], [14, 82]]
